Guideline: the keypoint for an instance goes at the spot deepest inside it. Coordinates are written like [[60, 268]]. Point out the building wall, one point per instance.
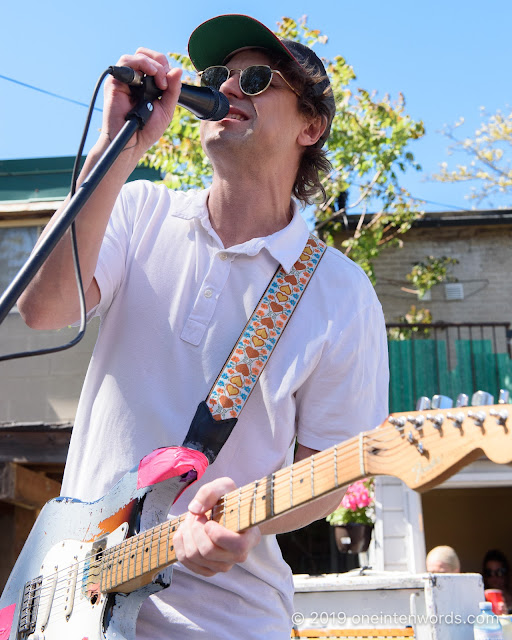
[[472, 521], [41, 388], [485, 265]]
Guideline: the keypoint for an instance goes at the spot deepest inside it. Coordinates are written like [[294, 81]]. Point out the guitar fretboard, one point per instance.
[[140, 557]]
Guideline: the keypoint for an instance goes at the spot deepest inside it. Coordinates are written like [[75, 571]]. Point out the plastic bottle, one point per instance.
[[487, 625]]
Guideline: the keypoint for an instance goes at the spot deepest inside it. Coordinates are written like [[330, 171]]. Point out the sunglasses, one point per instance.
[[253, 80], [495, 573]]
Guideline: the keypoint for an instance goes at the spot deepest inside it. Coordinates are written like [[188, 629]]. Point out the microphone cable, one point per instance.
[[203, 102], [74, 245]]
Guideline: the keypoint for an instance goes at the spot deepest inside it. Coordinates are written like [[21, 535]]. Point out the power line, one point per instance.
[[49, 93], [439, 204]]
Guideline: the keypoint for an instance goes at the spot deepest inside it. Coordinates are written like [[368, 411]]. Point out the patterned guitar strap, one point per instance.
[[217, 415]]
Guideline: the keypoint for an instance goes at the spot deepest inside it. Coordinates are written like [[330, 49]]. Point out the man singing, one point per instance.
[[174, 276]]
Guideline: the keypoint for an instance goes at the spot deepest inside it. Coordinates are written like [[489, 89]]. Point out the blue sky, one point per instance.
[[448, 58]]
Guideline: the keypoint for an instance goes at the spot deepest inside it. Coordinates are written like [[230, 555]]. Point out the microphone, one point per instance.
[[203, 102]]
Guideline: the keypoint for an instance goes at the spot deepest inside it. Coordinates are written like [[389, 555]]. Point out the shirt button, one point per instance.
[[208, 293], [223, 256]]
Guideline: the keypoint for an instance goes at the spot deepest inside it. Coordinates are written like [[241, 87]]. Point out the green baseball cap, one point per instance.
[[214, 40]]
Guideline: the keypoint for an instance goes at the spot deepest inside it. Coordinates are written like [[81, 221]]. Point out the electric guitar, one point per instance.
[[86, 568]]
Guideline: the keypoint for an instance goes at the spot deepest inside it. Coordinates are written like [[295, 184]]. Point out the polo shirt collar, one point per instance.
[[285, 245]]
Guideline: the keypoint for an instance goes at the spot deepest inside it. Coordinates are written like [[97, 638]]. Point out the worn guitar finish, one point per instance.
[[54, 590], [86, 568]]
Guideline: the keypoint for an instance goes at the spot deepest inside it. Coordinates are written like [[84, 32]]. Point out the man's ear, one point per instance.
[[312, 131]]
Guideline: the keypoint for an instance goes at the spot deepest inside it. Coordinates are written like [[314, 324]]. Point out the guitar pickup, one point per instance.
[[92, 571]]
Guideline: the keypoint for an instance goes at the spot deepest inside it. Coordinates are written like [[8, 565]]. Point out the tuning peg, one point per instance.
[[417, 421], [456, 418], [501, 416], [480, 398], [504, 396], [418, 444], [423, 403], [462, 400], [478, 417], [437, 420], [442, 402], [399, 422]]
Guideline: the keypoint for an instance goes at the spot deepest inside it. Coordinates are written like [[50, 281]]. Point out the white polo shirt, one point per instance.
[[173, 303]]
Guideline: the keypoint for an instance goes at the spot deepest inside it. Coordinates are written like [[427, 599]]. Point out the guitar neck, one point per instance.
[[134, 562]]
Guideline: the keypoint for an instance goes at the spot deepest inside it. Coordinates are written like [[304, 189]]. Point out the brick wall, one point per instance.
[[484, 269]]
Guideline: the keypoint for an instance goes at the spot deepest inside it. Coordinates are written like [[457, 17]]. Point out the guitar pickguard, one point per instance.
[[70, 603]]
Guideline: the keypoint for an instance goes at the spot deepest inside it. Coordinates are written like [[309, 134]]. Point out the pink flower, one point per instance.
[[357, 496], [357, 505]]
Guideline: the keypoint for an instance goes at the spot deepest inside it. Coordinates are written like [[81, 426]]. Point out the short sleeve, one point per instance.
[[348, 390], [111, 266]]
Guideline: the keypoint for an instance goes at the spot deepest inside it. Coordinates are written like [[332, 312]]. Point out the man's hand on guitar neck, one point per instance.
[[205, 546]]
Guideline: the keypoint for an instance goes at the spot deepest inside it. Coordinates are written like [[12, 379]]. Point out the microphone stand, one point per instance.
[[135, 119]]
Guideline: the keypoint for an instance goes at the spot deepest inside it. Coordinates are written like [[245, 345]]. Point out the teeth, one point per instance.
[[236, 116]]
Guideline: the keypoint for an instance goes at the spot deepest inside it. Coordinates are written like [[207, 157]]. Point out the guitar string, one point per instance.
[[63, 573], [63, 580], [284, 474], [246, 494]]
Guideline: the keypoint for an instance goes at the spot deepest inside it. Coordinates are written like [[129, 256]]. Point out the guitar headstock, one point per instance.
[[423, 448]]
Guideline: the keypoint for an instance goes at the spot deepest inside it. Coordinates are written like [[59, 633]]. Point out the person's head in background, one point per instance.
[[443, 559], [495, 570]]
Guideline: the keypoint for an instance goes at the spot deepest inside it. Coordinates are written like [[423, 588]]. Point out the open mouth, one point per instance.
[[235, 114]]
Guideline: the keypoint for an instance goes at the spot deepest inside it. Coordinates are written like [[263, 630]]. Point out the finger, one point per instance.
[[199, 538], [196, 551], [170, 97], [139, 62], [211, 541], [230, 544], [213, 560], [162, 64], [209, 494], [147, 65], [197, 543], [204, 550], [155, 55]]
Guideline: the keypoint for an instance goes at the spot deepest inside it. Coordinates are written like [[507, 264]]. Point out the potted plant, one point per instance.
[[353, 519]]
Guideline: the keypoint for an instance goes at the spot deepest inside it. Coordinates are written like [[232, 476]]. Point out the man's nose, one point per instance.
[[232, 84]]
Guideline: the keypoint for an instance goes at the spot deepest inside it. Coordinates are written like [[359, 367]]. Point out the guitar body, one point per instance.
[[54, 589]]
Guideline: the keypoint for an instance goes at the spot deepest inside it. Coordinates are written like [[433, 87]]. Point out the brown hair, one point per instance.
[[304, 78]]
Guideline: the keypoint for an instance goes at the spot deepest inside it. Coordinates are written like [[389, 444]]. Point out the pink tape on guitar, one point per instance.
[[6, 618], [169, 462]]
